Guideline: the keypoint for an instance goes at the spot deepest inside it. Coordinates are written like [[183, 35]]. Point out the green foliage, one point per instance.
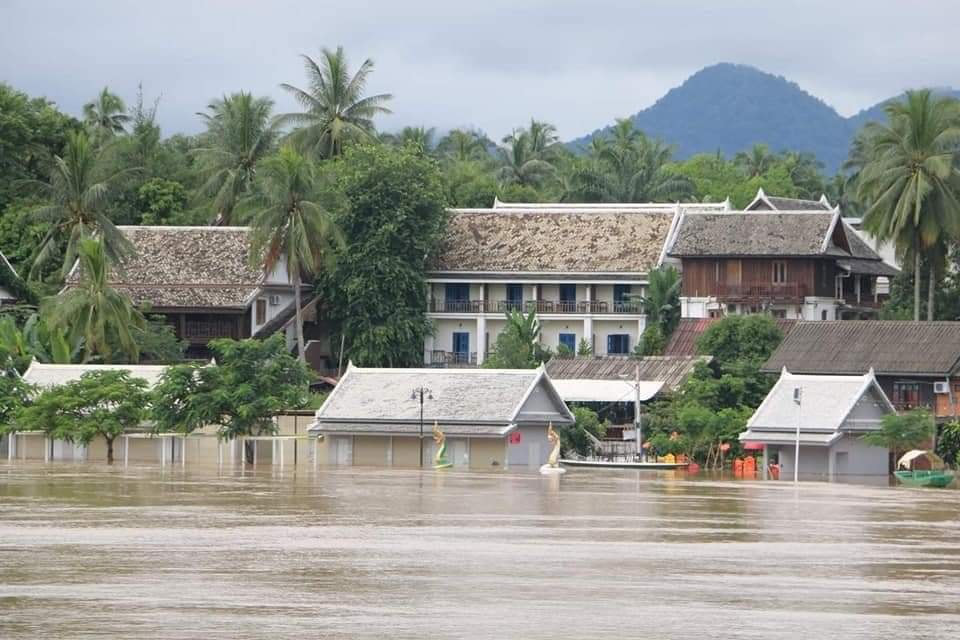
[[157, 342], [518, 345], [901, 432], [100, 403], [162, 201], [14, 395], [470, 184], [661, 300], [580, 436], [528, 155], [392, 222], [34, 341], [251, 381], [584, 348], [91, 310], [652, 342], [948, 444], [336, 111], [289, 227], [105, 116], [736, 338]]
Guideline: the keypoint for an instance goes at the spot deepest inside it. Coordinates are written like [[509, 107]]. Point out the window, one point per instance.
[[569, 340], [461, 346], [621, 297], [823, 314], [618, 344], [261, 311], [779, 272], [906, 394], [459, 292], [568, 293], [514, 296]]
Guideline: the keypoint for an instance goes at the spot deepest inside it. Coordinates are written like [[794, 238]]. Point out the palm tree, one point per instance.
[[462, 146], [288, 226], [755, 162], [239, 134], [627, 167], [105, 116], [525, 155], [336, 109], [419, 137], [94, 311], [78, 191], [910, 181], [661, 299]]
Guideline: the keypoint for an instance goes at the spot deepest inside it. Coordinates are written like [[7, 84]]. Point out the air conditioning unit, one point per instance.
[[941, 387], [274, 300]]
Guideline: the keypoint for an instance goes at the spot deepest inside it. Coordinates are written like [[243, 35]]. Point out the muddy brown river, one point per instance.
[[89, 552]]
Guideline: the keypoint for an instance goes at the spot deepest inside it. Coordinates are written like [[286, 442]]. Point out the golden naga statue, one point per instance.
[[440, 459], [554, 438]]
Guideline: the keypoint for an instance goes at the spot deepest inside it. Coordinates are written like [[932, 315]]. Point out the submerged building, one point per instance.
[[491, 418]]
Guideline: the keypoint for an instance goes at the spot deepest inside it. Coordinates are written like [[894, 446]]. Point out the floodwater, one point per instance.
[[89, 552]]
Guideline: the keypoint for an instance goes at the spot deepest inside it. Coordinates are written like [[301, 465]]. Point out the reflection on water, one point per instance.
[[359, 553]]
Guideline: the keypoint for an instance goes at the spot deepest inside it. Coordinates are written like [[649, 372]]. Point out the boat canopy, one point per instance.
[[907, 459]]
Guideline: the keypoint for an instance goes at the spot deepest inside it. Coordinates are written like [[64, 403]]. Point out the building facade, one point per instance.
[[581, 267]]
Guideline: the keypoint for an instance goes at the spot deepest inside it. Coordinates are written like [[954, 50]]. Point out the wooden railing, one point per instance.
[[206, 330], [784, 291]]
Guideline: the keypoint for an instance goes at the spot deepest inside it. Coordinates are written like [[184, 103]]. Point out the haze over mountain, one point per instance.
[[729, 107]]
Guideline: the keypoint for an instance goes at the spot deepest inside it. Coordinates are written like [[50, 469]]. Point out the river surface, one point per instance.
[[88, 552]]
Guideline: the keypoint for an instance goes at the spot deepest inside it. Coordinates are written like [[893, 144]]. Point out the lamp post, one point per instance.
[[420, 392], [797, 398]]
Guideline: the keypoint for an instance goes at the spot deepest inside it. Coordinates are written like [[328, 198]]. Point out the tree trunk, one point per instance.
[[930, 291], [109, 450], [916, 283], [301, 353]]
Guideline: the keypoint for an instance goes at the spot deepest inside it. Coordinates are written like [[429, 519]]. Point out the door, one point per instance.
[[461, 346], [515, 297], [533, 455], [568, 297], [457, 452], [621, 297], [842, 465], [568, 340]]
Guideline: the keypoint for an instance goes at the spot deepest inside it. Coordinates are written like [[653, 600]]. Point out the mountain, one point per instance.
[[729, 107]]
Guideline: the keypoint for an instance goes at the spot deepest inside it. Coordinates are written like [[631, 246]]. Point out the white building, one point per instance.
[[578, 265]]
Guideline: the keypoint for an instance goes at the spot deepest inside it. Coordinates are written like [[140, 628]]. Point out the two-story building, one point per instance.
[[579, 266], [800, 264], [201, 280], [917, 364]]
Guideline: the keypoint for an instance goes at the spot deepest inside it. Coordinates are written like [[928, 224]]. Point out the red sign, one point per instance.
[[514, 438]]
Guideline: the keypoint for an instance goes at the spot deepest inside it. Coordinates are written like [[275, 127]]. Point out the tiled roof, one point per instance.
[[855, 346], [671, 370], [49, 375], [683, 340], [754, 234], [562, 240], [188, 267], [466, 396]]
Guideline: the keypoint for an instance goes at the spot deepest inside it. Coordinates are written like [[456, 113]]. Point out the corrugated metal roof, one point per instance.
[[670, 370], [856, 346]]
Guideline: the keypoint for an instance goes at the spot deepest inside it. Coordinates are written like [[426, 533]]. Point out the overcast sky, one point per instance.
[[491, 64]]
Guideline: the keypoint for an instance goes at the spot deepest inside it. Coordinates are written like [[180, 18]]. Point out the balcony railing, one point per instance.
[[206, 330], [784, 291], [438, 358], [540, 306]]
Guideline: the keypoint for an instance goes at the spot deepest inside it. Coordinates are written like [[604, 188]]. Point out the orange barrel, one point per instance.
[[738, 467], [750, 466]]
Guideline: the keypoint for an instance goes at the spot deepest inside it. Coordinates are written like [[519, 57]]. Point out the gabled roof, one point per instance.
[[763, 202], [825, 402], [188, 267], [855, 346], [459, 396], [559, 238], [670, 370], [49, 375], [759, 234], [12, 287]]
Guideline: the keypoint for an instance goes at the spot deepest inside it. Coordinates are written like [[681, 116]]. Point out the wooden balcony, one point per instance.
[[542, 307], [785, 292], [203, 331]]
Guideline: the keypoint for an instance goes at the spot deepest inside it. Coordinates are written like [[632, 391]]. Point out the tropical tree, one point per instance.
[[518, 345], [910, 181], [77, 193], [526, 155], [35, 341], [661, 299], [901, 432], [755, 162], [289, 227], [95, 312], [627, 167], [240, 133], [105, 116], [418, 137], [100, 403], [335, 107], [462, 146]]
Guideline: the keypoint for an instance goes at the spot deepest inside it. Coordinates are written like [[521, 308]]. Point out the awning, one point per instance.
[[605, 390], [808, 438]]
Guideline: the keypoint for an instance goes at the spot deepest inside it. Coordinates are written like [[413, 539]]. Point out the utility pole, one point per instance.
[[637, 426], [419, 392], [797, 398]]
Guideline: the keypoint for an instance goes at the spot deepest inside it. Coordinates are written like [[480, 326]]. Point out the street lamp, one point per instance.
[[420, 392]]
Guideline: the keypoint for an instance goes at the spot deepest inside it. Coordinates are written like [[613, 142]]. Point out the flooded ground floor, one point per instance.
[[88, 551]]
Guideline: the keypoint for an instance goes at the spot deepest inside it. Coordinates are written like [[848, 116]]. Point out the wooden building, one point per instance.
[[916, 363]]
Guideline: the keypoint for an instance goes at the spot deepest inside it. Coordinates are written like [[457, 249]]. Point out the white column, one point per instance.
[[856, 284], [11, 445], [588, 331], [316, 453], [641, 325], [766, 462], [46, 449], [163, 451], [481, 338], [183, 452], [126, 450]]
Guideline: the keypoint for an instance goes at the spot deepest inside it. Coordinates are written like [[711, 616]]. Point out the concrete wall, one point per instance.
[[487, 454], [371, 451], [848, 456], [813, 461], [604, 328], [531, 451], [550, 331]]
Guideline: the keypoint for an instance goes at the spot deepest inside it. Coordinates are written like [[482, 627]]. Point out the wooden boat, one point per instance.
[[938, 478], [610, 464], [935, 475]]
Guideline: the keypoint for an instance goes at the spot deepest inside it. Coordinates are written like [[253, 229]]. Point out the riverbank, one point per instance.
[[358, 553]]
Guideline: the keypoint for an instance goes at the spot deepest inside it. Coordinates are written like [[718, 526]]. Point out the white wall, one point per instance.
[[604, 328], [550, 331], [285, 296]]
